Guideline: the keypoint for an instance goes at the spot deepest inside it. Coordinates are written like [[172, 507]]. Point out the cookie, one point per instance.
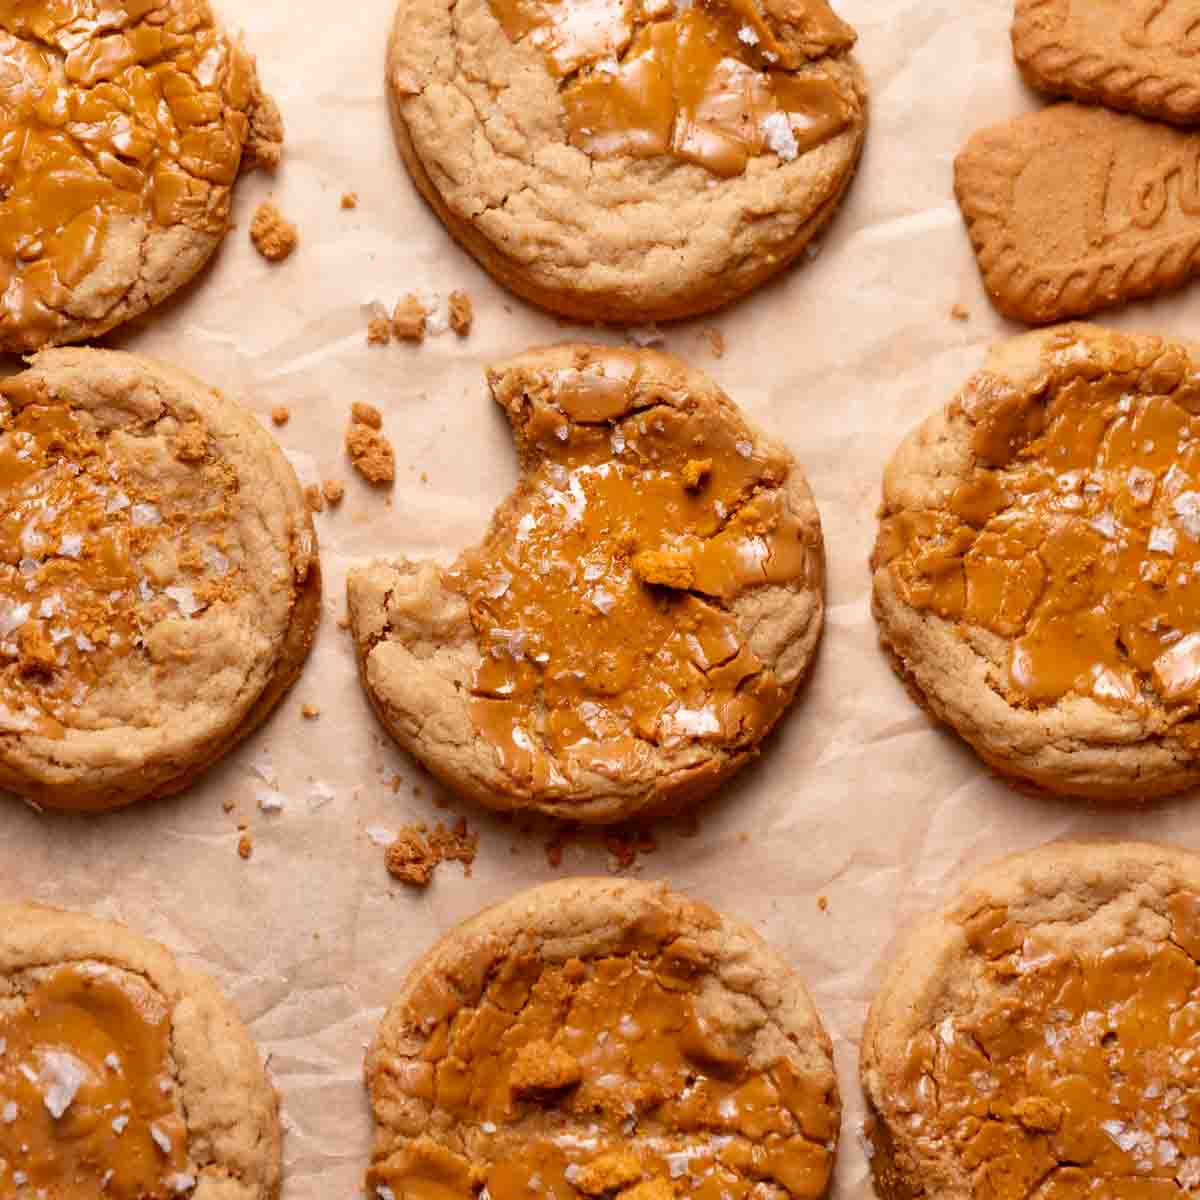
[[1037, 571], [1137, 55], [1037, 1038], [638, 616], [159, 583], [634, 161], [121, 1075], [1073, 209], [595, 1038], [122, 130]]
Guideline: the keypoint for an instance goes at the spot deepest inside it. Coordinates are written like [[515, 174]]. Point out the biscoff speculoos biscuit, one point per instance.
[[1074, 209], [1138, 55]]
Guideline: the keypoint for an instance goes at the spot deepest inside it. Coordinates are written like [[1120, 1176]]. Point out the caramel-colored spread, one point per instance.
[[603, 1076], [89, 1107], [1076, 537], [1078, 1076], [709, 83], [96, 549], [600, 600], [110, 111]]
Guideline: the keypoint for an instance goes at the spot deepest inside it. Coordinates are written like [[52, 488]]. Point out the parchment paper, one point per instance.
[[858, 798]]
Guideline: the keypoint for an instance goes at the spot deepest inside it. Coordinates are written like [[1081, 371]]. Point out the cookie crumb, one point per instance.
[[371, 454], [959, 313], [190, 444], [379, 331], [417, 851], [334, 490], [462, 313], [273, 235], [264, 147], [408, 319], [349, 199], [245, 846], [343, 622], [823, 903], [366, 414], [695, 472], [313, 498], [228, 804], [37, 653], [310, 712], [280, 414]]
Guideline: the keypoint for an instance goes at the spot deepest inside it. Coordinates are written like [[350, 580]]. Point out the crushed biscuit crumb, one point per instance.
[[665, 568], [37, 654], [245, 845], [310, 712], [314, 498], [960, 313], [612, 1172], [349, 199], [190, 444], [273, 235], [371, 454], [417, 851], [366, 414], [334, 490], [540, 1069], [408, 321], [695, 472], [716, 342], [379, 331], [280, 414], [462, 313], [823, 903]]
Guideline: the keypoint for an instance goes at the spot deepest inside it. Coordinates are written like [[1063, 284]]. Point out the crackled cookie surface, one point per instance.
[[628, 160], [123, 125], [1037, 1039], [601, 1038], [639, 615], [159, 583], [1037, 572], [109, 1083]]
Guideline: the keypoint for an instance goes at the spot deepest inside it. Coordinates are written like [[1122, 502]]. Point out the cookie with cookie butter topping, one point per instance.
[[639, 615], [1038, 1037], [123, 125], [123, 1077], [159, 584], [1037, 571], [602, 1038], [628, 160]]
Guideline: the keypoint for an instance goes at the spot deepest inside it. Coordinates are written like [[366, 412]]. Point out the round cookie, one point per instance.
[[122, 129], [1037, 1038], [1037, 572], [628, 161], [121, 1075], [639, 615], [159, 581], [599, 1037]]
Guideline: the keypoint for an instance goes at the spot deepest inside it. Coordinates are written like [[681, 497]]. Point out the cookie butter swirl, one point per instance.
[[601, 600], [712, 83], [1075, 536], [109, 537], [116, 116], [604, 1076], [88, 1102], [1077, 1075]]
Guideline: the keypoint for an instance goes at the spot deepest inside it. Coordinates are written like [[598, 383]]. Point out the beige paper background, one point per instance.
[[857, 798]]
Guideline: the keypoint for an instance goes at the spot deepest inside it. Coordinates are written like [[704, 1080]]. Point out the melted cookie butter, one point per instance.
[[709, 84], [109, 109], [593, 1077], [1076, 538], [94, 552], [88, 1104], [1079, 1078], [599, 600]]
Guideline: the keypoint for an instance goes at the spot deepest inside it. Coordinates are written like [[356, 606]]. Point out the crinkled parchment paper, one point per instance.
[[858, 798]]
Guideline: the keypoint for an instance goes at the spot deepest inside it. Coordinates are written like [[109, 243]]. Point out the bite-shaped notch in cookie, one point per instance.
[[1074, 209], [628, 161], [159, 582], [639, 615], [1037, 1038], [122, 1077], [596, 1038], [1037, 571], [1138, 55], [123, 127]]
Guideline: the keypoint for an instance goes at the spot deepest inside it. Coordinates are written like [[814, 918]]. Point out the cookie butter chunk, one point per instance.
[[540, 1069]]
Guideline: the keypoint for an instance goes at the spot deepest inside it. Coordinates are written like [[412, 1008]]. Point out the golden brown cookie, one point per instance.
[[123, 1076], [122, 129], [159, 582], [1037, 1038], [630, 161], [1037, 571], [639, 615], [1130, 54], [602, 1038], [1073, 209]]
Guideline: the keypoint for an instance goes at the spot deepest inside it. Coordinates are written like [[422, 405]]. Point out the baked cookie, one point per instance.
[[1073, 209], [121, 1075], [1132, 54], [1037, 572], [596, 1038], [159, 583], [1037, 1039], [639, 615], [122, 129], [628, 161]]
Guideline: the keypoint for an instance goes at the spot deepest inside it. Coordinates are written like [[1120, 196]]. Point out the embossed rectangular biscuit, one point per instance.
[[1140, 55], [1073, 209]]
